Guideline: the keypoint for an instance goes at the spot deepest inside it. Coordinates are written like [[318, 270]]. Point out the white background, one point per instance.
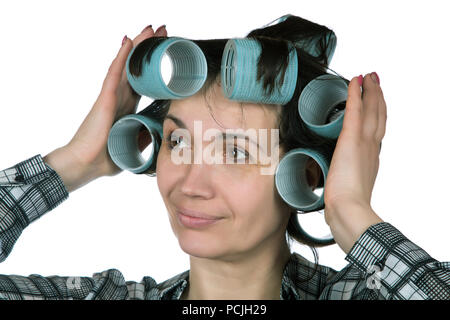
[[54, 56]]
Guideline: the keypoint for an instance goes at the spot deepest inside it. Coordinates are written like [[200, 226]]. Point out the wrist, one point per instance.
[[73, 173], [348, 222]]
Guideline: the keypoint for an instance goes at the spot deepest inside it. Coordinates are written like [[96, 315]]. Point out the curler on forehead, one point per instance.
[[239, 71], [240, 78], [188, 73]]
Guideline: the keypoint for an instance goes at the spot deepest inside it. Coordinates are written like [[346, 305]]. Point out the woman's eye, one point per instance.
[[231, 151], [236, 153], [174, 141]]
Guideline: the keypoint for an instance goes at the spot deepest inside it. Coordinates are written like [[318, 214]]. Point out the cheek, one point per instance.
[[256, 207], [163, 172]]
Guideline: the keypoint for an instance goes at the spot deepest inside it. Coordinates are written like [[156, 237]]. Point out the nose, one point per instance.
[[197, 180]]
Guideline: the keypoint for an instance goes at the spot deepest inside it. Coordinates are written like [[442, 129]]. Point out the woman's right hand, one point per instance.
[[86, 156]]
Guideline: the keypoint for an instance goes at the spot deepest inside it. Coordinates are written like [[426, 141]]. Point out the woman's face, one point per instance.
[[251, 213]]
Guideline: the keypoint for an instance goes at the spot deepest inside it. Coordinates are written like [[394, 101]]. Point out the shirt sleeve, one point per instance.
[[106, 285], [385, 265], [28, 190]]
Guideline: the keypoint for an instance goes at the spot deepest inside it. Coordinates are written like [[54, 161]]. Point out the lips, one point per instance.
[[196, 214], [195, 219]]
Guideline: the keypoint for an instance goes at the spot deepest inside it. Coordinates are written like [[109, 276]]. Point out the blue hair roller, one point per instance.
[[318, 99], [123, 142], [188, 73], [239, 71], [291, 181]]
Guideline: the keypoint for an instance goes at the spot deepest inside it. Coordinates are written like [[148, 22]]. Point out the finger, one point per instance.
[[353, 108], [161, 31], [146, 33], [382, 118], [371, 103], [115, 70]]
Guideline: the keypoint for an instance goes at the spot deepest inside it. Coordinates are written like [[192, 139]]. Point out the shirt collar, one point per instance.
[[173, 288], [289, 290]]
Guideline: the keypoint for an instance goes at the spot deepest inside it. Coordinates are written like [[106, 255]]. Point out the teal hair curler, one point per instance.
[[292, 186], [318, 100], [291, 181], [239, 71], [313, 227], [189, 70], [123, 142]]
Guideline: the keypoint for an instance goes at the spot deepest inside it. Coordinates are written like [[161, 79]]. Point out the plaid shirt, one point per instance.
[[383, 263]]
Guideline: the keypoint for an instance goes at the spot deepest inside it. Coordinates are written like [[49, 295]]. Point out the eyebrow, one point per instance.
[[181, 124]]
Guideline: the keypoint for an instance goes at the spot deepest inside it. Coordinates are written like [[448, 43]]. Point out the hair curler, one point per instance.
[[291, 181], [311, 227], [317, 105], [123, 142], [189, 70], [292, 186], [239, 74], [321, 106]]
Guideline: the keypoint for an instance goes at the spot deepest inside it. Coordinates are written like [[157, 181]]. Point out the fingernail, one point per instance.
[[124, 39], [147, 27], [360, 80], [161, 28], [375, 77]]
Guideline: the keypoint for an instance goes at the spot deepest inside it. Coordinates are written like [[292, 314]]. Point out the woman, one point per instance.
[[238, 249]]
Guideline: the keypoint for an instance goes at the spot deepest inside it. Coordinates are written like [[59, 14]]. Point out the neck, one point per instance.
[[255, 275]]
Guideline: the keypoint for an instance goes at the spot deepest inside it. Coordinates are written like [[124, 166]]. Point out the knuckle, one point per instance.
[[370, 98], [368, 134], [379, 137], [353, 103]]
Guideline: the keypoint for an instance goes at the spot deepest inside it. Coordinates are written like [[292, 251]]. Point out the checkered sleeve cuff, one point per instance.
[[36, 188], [28, 190], [380, 241]]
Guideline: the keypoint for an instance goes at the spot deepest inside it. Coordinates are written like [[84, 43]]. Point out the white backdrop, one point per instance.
[[54, 56]]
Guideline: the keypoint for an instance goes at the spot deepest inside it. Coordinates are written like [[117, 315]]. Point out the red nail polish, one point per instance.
[[376, 75], [124, 40], [360, 80]]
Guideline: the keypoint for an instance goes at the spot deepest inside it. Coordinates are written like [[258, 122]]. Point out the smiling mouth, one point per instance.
[[195, 214], [195, 222]]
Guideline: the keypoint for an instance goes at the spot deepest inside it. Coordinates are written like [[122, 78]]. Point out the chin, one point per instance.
[[200, 245]]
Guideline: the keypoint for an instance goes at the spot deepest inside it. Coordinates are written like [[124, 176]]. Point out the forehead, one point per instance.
[[215, 110]]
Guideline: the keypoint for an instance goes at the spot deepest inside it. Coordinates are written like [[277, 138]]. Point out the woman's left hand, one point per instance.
[[355, 162]]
